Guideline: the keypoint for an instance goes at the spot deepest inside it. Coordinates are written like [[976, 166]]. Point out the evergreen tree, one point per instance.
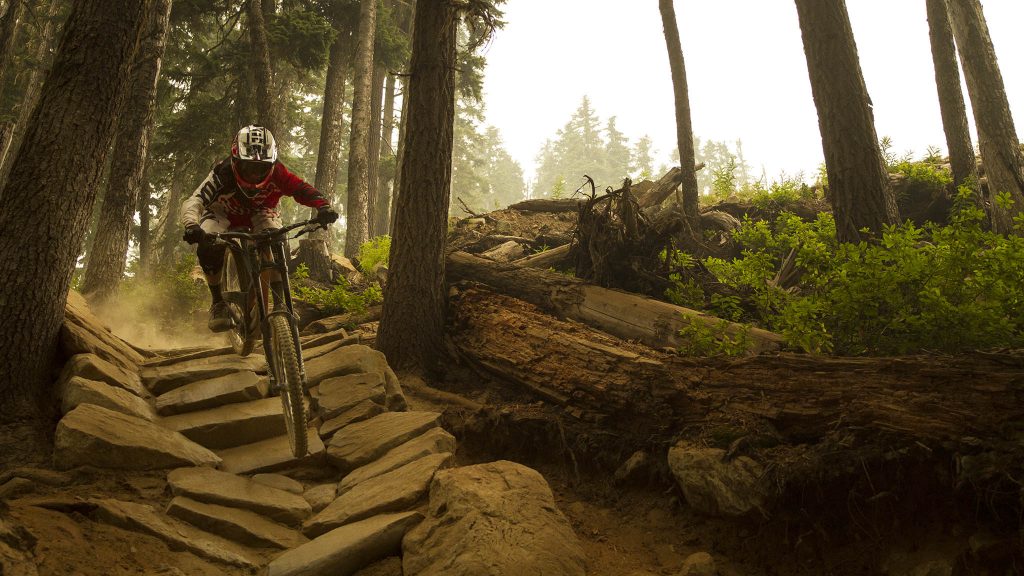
[[641, 162], [616, 155]]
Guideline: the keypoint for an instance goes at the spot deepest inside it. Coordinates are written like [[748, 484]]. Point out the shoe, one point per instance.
[[220, 317]]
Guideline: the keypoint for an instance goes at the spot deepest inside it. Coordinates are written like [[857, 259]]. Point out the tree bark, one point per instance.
[[412, 323], [265, 111], [16, 131], [38, 248], [124, 183], [314, 250], [951, 97], [997, 136], [399, 154], [357, 210], [623, 314], [858, 183], [171, 231], [373, 206], [382, 222], [684, 127]]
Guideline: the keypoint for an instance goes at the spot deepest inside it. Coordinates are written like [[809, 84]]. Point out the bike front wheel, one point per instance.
[[289, 383]]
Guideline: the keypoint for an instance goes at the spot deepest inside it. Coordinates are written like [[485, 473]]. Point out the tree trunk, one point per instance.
[[684, 128], [997, 136], [265, 111], [809, 421], [171, 232], [357, 231], [382, 222], [16, 131], [623, 314], [38, 248], [124, 183], [396, 187], [951, 97], [10, 25], [373, 205], [144, 234], [314, 250], [858, 183], [412, 323]]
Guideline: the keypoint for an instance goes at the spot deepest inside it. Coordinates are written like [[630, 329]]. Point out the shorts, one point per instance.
[[260, 221]]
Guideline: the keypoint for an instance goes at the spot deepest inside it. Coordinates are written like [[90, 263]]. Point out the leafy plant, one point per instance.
[[374, 253], [339, 299], [703, 340]]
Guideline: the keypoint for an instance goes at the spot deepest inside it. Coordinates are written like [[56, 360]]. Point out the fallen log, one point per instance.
[[628, 316], [547, 259], [877, 433], [545, 205]]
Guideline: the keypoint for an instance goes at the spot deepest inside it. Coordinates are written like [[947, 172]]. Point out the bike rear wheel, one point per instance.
[[241, 336], [287, 374]]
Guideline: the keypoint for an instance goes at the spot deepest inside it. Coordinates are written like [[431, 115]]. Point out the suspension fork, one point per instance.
[[281, 263]]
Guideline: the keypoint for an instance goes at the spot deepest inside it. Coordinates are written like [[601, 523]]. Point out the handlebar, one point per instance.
[[310, 225]]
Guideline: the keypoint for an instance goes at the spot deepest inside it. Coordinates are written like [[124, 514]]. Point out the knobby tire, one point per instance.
[[286, 372]]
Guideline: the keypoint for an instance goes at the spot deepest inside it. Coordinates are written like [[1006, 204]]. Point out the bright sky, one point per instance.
[[745, 67]]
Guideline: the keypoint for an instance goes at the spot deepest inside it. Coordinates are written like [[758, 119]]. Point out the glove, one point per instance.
[[194, 234], [326, 215]]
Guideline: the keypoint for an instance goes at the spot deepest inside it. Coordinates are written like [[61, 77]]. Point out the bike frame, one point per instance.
[[247, 250]]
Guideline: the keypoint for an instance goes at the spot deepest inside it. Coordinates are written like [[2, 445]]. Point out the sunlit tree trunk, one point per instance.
[[684, 127], [951, 97], [41, 50], [38, 247], [382, 222], [857, 179], [997, 136], [172, 206], [373, 172], [265, 112], [122, 197], [10, 24], [396, 187], [314, 250], [412, 322], [357, 214]]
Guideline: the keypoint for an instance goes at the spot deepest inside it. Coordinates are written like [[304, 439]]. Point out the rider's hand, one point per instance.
[[326, 215], [194, 234]]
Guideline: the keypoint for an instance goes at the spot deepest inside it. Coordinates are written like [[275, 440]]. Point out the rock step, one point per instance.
[[178, 535], [394, 491], [434, 441], [92, 367], [231, 425], [78, 390], [216, 487], [238, 525], [163, 379], [270, 455], [363, 411], [96, 436], [356, 359], [241, 386], [344, 551], [363, 442], [338, 395]]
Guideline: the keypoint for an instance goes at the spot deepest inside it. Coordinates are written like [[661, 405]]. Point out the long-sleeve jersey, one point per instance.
[[220, 195]]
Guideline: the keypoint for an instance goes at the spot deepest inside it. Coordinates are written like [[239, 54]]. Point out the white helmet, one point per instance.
[[253, 155]]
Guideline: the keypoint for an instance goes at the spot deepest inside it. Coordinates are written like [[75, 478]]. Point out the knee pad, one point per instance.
[[211, 258]]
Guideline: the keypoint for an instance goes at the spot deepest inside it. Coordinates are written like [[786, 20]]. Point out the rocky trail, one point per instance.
[[180, 465]]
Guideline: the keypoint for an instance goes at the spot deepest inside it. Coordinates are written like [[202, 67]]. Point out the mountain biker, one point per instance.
[[243, 190]]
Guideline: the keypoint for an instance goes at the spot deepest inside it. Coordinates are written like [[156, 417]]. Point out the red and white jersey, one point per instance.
[[220, 195]]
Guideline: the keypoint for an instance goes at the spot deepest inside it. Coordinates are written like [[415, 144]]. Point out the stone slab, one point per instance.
[[177, 535], [363, 411], [241, 386], [319, 497], [96, 436], [231, 425], [356, 359], [332, 405], [92, 367], [163, 379], [434, 441], [235, 524], [495, 518], [393, 491], [78, 390], [279, 481], [350, 382], [343, 551], [217, 487], [270, 455], [363, 442], [715, 485]]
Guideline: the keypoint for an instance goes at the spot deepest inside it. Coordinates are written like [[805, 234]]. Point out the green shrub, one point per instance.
[[948, 288], [374, 253], [699, 339], [339, 299]]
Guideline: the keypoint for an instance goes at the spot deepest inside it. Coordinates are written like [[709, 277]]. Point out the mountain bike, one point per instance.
[[251, 261]]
